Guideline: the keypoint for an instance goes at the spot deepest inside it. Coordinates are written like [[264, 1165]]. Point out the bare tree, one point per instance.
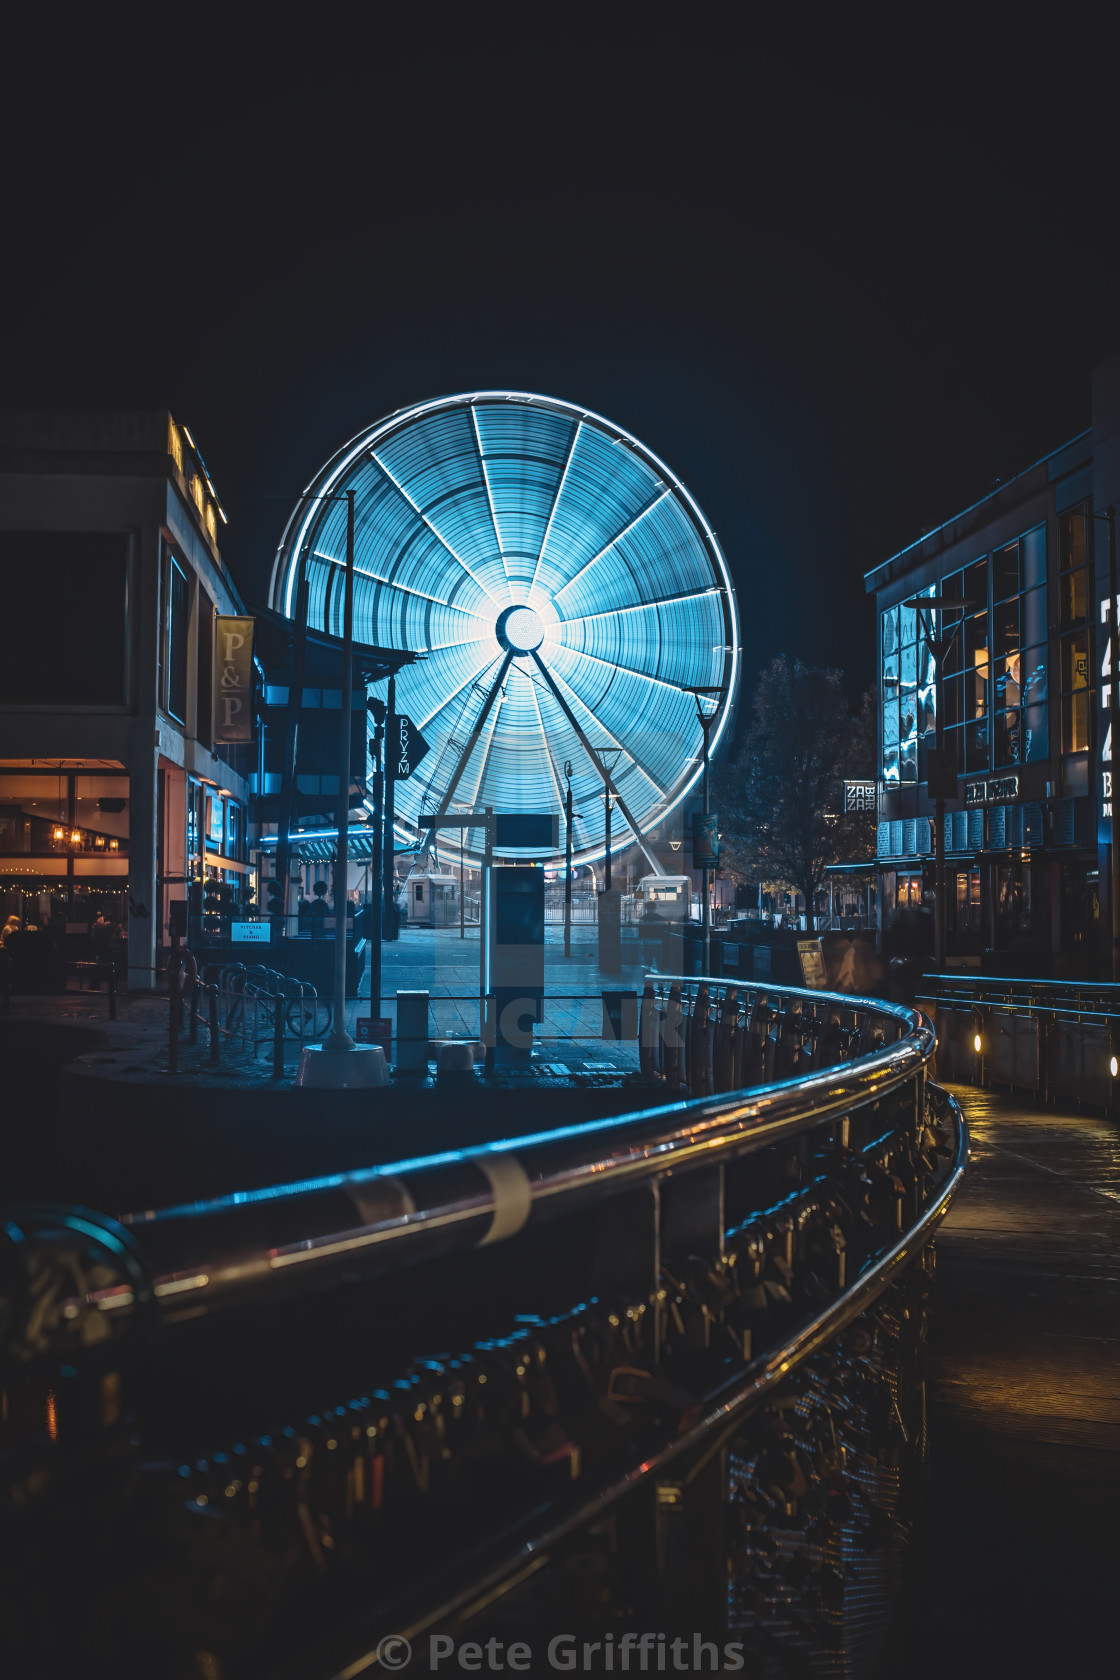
[[781, 798]]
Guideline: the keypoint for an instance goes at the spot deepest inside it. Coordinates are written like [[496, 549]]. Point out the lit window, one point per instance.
[[174, 444]]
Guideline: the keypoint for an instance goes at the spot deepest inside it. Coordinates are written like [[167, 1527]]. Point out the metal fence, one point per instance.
[[1057, 1039], [718, 1435]]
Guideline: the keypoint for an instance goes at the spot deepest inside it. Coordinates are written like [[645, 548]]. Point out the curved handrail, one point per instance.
[[374, 1219], [720, 1412]]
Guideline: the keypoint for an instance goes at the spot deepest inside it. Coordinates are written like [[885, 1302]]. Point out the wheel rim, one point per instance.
[[565, 587]]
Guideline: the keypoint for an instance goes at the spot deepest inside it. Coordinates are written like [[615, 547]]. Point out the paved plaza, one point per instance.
[[569, 1039]]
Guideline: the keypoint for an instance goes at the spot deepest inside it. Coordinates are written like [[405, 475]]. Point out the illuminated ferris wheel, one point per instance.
[[568, 595]]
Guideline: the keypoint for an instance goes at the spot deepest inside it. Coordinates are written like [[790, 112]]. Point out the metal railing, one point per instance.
[[747, 1351], [247, 1008], [1058, 1039]]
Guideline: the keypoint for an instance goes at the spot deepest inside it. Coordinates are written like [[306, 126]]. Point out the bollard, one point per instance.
[[215, 1041], [173, 1018], [278, 1037], [112, 988]]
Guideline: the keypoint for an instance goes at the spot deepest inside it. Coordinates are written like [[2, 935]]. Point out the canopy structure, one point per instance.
[[564, 589]]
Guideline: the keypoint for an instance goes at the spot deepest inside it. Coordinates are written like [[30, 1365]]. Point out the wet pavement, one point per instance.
[[1015, 1561]]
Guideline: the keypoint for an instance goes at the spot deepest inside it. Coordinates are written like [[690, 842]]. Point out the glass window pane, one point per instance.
[[909, 665], [976, 663], [1075, 721], [890, 723], [1033, 557], [890, 670], [952, 693], [976, 745], [907, 712], [890, 631], [1075, 662], [927, 710], [178, 627], [976, 584], [907, 625], [890, 764], [1074, 598], [1036, 733], [908, 761], [1007, 743], [1032, 618], [1072, 536], [1006, 624], [1005, 572]]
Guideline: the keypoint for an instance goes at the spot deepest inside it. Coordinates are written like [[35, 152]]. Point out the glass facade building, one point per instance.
[[1015, 591]]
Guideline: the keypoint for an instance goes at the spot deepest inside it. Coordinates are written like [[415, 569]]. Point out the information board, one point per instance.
[[813, 971]]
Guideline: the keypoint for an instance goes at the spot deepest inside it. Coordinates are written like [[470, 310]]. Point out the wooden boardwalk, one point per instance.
[[1016, 1564]]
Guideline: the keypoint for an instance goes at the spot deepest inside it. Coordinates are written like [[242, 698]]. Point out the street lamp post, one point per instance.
[[703, 695], [338, 1061], [339, 1038], [568, 860]]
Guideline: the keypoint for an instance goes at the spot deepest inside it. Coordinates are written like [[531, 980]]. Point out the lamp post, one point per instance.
[[568, 860], [703, 696], [338, 1062]]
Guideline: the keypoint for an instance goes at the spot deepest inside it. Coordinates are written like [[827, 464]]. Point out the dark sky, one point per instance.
[[839, 285]]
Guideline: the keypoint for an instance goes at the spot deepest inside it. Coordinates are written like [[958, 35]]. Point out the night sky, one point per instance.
[[840, 287]]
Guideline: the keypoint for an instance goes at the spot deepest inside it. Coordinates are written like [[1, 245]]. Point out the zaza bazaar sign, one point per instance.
[[997, 790]]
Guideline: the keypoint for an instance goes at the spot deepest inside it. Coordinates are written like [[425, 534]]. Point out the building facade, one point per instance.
[[114, 799], [1025, 694]]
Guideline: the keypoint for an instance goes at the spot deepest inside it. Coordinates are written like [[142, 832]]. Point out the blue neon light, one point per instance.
[[470, 505]]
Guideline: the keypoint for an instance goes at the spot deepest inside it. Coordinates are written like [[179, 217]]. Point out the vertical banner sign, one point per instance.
[[233, 679], [407, 745], [705, 840], [1080, 679]]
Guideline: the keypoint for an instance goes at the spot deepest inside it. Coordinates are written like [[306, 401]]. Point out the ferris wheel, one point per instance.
[[568, 594]]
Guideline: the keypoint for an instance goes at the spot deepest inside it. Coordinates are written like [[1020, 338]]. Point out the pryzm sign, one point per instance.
[[1106, 706], [996, 790], [233, 678]]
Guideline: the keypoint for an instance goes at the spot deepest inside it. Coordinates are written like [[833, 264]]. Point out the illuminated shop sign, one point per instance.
[[995, 789], [249, 933], [233, 678], [860, 796], [1106, 706]]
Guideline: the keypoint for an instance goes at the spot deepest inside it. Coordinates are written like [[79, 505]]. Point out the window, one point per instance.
[[909, 698], [968, 900], [65, 604], [215, 828], [175, 444], [1021, 734], [1075, 533], [994, 687], [204, 692], [178, 632]]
